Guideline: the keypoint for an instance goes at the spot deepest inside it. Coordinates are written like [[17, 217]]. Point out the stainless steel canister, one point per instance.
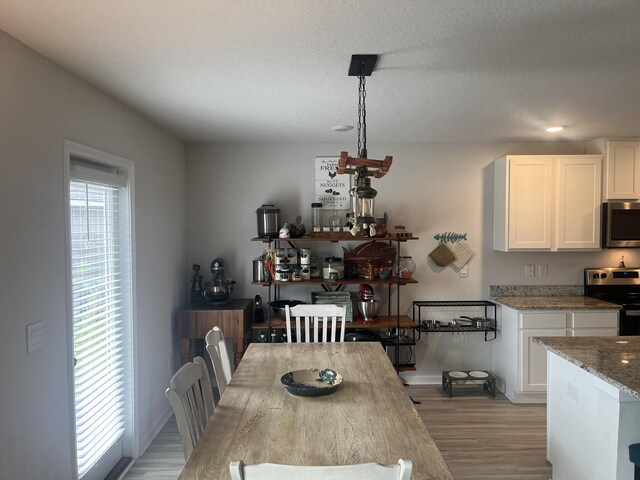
[[258, 270], [268, 221]]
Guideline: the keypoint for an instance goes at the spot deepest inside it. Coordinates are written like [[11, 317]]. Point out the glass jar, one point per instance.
[[404, 267], [333, 268], [335, 222], [316, 217]]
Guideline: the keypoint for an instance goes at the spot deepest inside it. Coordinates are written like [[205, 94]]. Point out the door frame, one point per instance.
[[130, 439]]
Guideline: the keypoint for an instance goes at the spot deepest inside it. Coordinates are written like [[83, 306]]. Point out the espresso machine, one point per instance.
[[217, 291]]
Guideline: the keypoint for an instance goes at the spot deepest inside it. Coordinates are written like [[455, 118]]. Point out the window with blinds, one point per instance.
[[100, 297]]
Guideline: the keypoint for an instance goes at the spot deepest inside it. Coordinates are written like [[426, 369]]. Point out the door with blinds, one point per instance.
[[101, 306]]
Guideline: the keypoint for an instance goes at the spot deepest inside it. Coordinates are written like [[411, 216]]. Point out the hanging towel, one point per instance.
[[463, 253], [442, 255]]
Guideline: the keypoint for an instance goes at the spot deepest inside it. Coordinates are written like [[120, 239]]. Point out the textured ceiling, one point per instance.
[[269, 70]]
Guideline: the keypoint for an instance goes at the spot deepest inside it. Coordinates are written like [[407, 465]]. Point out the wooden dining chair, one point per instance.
[[217, 349], [365, 471], [191, 398], [320, 315]]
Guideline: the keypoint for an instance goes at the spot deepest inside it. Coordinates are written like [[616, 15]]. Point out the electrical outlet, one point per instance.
[[543, 270], [573, 391], [529, 270], [464, 271]]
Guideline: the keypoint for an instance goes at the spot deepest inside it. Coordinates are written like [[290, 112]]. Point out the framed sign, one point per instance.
[[331, 188]]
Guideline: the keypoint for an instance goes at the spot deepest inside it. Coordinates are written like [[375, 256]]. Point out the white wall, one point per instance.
[[430, 189], [41, 105]]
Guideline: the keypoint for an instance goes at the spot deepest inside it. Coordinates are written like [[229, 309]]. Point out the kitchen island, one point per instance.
[[593, 405]]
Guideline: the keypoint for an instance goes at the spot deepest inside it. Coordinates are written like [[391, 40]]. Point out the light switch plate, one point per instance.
[[464, 271], [35, 336]]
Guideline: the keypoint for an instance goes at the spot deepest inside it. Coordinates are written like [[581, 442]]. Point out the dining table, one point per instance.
[[369, 418]]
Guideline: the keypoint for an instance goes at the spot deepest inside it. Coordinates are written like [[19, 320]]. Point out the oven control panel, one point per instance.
[[612, 276]]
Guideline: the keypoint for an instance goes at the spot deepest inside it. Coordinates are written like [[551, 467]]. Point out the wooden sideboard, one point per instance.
[[234, 319]]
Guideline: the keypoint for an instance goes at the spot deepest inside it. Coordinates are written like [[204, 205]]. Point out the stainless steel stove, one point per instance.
[[620, 286]]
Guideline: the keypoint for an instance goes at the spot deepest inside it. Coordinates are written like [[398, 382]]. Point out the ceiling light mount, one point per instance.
[[362, 65]]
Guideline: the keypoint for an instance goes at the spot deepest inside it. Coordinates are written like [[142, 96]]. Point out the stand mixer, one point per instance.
[[367, 306], [217, 291]]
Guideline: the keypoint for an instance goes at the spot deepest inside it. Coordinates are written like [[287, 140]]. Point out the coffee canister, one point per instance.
[[283, 273], [258, 270], [268, 221]]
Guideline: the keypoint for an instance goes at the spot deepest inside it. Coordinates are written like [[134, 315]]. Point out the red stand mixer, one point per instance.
[[367, 306]]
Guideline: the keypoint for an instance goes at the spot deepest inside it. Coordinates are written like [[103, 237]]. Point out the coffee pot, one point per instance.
[[217, 291]]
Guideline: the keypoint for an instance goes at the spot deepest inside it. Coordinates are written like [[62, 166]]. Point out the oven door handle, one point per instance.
[[632, 313]]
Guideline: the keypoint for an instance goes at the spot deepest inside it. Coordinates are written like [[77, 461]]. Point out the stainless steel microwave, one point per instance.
[[621, 225]]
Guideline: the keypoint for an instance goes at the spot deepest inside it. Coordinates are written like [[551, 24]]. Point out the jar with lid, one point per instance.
[[333, 268], [404, 267], [283, 273], [316, 217]]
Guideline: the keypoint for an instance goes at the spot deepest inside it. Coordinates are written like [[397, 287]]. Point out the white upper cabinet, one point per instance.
[[621, 168], [547, 202], [578, 203]]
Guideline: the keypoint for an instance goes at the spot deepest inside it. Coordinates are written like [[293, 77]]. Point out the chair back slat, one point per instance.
[[320, 315]]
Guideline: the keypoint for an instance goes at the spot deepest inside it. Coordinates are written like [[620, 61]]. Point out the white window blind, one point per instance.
[[99, 311]]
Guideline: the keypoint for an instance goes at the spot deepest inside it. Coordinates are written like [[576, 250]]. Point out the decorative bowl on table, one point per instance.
[[311, 382]]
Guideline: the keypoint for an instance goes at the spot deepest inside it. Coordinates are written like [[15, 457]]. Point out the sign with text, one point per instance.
[[331, 188]]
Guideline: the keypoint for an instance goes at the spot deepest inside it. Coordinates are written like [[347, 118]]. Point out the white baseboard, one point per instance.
[[145, 442], [412, 379]]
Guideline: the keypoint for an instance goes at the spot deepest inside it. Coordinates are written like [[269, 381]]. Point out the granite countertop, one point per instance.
[[555, 303], [615, 360]]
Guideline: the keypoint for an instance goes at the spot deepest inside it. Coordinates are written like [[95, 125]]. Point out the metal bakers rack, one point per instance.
[[422, 325]]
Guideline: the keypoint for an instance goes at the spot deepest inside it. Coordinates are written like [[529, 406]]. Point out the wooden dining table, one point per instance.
[[370, 418]]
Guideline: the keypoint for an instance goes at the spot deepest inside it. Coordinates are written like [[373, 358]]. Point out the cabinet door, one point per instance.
[[578, 202], [622, 176], [529, 201], [533, 359]]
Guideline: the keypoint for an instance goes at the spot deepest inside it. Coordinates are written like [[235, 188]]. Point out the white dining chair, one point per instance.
[[191, 398], [217, 349], [320, 315], [365, 471]]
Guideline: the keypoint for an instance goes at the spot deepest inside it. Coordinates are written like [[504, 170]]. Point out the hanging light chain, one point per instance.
[[362, 115]]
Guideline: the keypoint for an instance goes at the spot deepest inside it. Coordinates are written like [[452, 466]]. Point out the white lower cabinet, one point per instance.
[[519, 364]]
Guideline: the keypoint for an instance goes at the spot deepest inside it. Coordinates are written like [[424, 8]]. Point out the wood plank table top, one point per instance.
[[370, 418]]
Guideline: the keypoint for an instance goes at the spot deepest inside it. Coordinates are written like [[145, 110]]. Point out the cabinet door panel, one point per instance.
[[623, 171], [530, 197], [578, 202], [593, 320], [533, 360], [544, 320]]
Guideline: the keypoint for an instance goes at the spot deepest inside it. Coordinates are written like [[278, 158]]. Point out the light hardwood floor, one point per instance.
[[479, 437]]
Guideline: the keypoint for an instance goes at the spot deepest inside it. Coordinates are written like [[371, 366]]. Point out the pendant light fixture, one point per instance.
[[362, 194]]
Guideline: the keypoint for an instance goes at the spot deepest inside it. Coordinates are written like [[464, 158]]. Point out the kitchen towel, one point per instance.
[[442, 255], [463, 253]]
